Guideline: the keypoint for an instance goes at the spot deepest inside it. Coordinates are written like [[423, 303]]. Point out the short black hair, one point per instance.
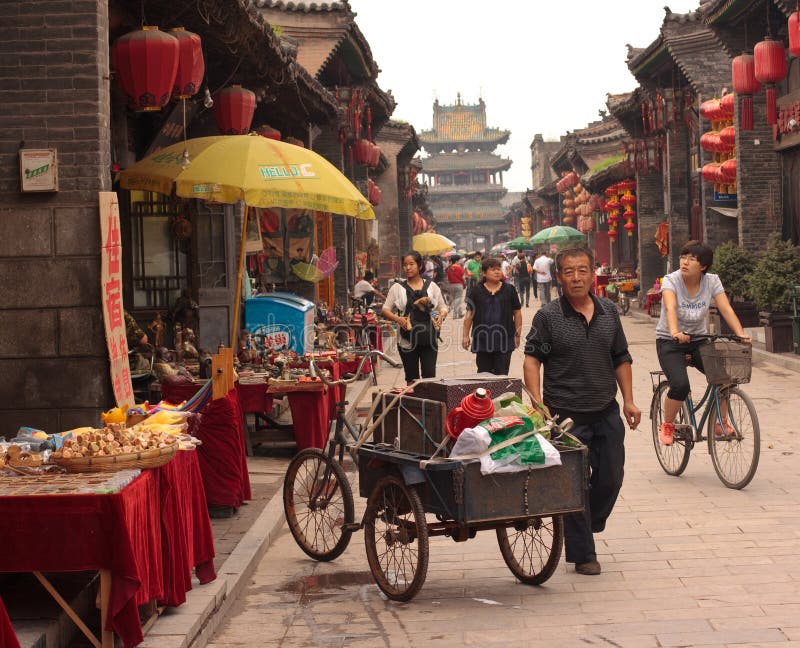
[[490, 262], [701, 252], [573, 251], [414, 255], [368, 276]]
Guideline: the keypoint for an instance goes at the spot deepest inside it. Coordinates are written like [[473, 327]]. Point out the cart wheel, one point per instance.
[[532, 548], [318, 502], [396, 537]]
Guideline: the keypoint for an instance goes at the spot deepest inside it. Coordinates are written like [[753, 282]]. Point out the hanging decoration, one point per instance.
[[770, 68], [191, 65], [794, 31], [720, 142], [612, 207], [233, 110], [745, 85], [146, 63], [628, 202]]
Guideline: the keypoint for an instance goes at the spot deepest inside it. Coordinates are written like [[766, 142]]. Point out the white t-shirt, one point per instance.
[[542, 264], [362, 288], [397, 298], [505, 266], [692, 311]]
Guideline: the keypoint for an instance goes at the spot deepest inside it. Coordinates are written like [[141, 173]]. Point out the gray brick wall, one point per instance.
[[677, 185], [54, 74], [650, 212]]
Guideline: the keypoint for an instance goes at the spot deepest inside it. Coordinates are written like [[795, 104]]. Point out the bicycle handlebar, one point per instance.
[[719, 336], [366, 355]]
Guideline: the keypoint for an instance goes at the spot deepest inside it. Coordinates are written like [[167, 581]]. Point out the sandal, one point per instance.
[[666, 433], [728, 433]]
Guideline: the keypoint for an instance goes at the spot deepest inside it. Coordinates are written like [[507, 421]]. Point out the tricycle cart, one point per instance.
[[413, 496]]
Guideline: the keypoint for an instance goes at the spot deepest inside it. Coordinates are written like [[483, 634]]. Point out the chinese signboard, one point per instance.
[[38, 170], [111, 287]]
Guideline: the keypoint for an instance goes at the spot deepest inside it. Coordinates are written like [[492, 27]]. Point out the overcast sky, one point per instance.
[[541, 67]]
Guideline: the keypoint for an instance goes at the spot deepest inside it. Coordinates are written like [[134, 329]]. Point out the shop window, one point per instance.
[[462, 178], [210, 240], [159, 249]]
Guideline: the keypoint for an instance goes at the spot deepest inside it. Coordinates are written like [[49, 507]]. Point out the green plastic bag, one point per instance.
[[503, 428]]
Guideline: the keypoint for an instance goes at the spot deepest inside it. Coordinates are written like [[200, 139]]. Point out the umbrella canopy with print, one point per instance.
[[431, 243], [519, 243], [259, 171], [558, 234]]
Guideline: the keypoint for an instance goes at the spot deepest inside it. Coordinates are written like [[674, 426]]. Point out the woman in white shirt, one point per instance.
[[418, 307]]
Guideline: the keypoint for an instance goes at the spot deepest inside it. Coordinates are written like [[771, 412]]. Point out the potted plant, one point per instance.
[[734, 264], [771, 282]]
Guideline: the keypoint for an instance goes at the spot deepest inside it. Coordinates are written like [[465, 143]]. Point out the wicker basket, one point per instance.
[[107, 463], [727, 363]]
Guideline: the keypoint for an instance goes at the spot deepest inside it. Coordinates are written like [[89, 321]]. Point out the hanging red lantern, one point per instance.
[[745, 85], [794, 33], [770, 68], [709, 172], [191, 65], [233, 110], [729, 170], [374, 155], [728, 137], [363, 151], [630, 227], [612, 235], [710, 110], [628, 201], [146, 63], [726, 106]]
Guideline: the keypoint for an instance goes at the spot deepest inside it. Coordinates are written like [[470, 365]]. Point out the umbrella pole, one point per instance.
[[240, 272]]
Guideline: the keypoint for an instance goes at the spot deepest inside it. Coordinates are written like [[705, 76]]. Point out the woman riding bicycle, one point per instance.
[[686, 296]]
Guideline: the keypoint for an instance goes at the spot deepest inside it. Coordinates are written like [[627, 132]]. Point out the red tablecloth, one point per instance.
[[137, 534], [311, 413], [652, 299], [8, 638]]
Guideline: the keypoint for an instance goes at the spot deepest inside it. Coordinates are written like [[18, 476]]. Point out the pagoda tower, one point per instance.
[[464, 176]]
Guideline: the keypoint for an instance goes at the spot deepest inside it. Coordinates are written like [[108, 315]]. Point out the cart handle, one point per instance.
[[371, 355]]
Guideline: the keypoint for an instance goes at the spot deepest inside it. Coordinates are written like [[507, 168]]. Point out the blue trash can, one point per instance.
[[280, 321]]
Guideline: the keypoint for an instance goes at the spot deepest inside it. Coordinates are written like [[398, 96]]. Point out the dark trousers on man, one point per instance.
[[605, 439], [493, 362], [524, 290]]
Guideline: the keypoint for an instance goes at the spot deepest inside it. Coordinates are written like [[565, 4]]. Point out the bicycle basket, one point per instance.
[[726, 362]]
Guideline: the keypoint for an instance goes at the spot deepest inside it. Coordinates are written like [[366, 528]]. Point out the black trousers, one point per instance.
[[605, 438], [492, 362], [672, 358], [524, 290], [419, 357]]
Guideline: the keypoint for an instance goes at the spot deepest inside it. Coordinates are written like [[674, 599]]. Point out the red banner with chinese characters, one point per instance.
[[111, 288]]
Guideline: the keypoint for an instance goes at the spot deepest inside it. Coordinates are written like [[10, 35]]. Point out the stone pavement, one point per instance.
[[686, 562]]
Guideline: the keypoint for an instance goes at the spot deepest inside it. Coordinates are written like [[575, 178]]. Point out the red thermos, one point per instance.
[[473, 409]]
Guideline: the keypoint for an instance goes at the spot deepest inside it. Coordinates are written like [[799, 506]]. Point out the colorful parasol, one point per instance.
[[431, 243]]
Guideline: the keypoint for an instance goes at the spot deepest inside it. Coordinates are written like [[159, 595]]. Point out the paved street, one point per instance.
[[686, 562]]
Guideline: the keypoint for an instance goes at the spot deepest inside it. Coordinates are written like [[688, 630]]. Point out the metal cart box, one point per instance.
[[451, 390]]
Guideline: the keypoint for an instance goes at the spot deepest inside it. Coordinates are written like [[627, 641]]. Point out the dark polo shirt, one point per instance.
[[579, 357]]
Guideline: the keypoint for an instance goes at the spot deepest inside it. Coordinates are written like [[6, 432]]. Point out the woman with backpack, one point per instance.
[[418, 307]]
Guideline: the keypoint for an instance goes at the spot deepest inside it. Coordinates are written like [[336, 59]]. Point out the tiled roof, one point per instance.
[[476, 160], [305, 7], [461, 122]]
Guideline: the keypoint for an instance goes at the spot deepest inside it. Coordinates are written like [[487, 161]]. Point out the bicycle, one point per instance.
[[317, 497], [619, 297], [734, 454]]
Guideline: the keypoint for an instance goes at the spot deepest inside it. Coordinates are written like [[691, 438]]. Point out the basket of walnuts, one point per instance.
[[115, 448]]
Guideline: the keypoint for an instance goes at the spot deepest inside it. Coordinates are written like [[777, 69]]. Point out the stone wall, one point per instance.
[[650, 212], [54, 74]]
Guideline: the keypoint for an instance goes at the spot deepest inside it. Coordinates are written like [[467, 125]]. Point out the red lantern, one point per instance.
[[710, 110], [363, 151], [612, 234], [709, 172], [628, 201], [729, 170], [745, 84], [233, 110], [374, 155], [613, 218], [191, 65], [146, 63], [726, 106], [794, 33], [630, 226], [770, 67], [728, 137]]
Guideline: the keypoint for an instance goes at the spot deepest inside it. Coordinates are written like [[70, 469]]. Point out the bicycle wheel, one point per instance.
[[316, 507], [532, 548], [673, 458], [396, 538], [735, 457]]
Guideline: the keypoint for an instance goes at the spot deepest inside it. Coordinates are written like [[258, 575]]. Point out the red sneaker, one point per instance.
[[666, 433], [729, 431]]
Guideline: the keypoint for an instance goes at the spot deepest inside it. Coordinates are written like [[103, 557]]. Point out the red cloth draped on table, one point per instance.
[[131, 533], [223, 461], [8, 638], [310, 418]]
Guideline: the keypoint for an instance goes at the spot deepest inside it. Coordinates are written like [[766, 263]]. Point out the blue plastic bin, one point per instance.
[[280, 321]]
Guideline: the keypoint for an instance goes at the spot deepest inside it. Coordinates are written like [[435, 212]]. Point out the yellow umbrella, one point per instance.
[[259, 171], [431, 243]]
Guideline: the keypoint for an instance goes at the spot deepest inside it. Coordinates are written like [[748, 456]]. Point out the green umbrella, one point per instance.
[[557, 234], [519, 243]]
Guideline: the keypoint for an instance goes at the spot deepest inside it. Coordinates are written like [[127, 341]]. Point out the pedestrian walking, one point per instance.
[[493, 323], [418, 307], [455, 275], [686, 296], [579, 342], [541, 268], [472, 270], [521, 271]]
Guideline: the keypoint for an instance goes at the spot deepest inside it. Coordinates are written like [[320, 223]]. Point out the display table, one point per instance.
[[145, 540], [312, 405], [652, 303], [8, 638]]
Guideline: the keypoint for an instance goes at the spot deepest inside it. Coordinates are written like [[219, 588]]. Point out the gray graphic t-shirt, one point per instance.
[[692, 311]]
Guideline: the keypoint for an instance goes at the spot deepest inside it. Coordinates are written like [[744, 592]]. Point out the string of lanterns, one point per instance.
[[620, 198], [720, 141]]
